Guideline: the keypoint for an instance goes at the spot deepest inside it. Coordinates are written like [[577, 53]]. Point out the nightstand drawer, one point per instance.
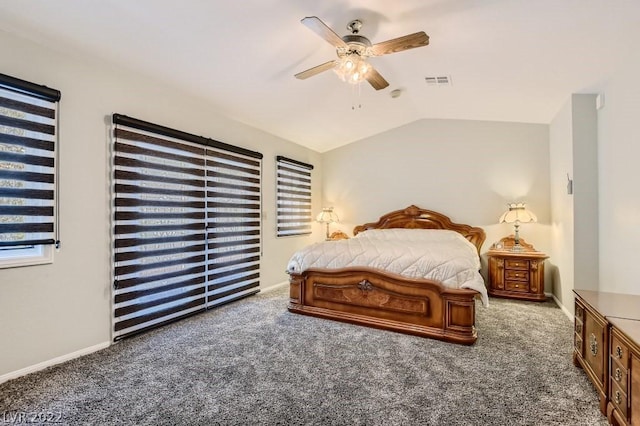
[[520, 264], [516, 275], [516, 286]]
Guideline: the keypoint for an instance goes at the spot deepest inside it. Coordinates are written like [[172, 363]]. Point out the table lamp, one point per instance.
[[327, 216], [517, 214]]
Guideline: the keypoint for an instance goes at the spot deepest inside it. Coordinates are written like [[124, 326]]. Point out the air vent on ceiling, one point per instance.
[[439, 81]]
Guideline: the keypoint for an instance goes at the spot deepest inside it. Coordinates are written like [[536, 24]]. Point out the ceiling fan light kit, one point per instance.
[[352, 68], [353, 50]]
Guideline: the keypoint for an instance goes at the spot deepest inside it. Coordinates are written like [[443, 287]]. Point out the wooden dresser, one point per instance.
[[516, 274], [596, 341], [624, 372]]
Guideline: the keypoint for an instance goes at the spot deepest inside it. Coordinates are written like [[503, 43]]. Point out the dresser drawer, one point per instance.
[[519, 264], [619, 352], [516, 286], [516, 275], [619, 398], [619, 376], [579, 311]]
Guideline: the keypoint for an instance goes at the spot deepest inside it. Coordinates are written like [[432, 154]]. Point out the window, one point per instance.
[[293, 197], [187, 224], [28, 179]]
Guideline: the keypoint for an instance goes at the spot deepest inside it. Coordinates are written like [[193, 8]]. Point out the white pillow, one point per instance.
[[404, 234]]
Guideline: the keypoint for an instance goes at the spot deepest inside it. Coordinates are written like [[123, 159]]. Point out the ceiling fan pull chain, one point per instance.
[[355, 96]]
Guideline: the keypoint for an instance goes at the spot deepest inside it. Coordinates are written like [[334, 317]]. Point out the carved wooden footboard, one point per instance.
[[382, 300]]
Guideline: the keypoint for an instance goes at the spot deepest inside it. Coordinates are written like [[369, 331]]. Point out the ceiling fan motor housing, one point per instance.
[[357, 44]]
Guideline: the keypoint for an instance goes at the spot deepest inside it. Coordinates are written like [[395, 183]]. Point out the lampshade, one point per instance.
[[517, 213], [327, 216]]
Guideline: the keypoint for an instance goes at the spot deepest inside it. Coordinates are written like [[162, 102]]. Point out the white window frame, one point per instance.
[[26, 256]]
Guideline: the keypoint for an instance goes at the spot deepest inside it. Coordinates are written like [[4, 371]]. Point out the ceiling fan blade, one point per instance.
[[376, 80], [399, 44], [315, 70], [317, 26]]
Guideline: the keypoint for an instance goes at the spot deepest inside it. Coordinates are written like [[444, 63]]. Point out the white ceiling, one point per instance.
[[509, 60]]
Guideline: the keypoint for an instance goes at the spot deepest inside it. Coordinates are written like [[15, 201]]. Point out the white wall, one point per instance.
[[561, 166], [619, 180], [467, 170], [50, 311], [585, 191], [574, 231]]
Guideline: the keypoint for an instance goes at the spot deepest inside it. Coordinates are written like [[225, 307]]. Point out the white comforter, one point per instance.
[[444, 256]]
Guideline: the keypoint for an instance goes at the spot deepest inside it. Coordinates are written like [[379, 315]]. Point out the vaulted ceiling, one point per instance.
[[507, 60]]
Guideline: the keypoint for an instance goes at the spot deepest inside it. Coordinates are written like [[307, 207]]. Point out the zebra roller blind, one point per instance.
[[233, 226], [293, 197], [28, 147], [187, 228]]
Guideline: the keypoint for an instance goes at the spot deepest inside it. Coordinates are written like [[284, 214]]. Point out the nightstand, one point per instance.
[[516, 274]]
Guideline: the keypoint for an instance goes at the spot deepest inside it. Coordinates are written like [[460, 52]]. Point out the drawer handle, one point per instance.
[[617, 375], [593, 344], [618, 352], [617, 398], [517, 285]]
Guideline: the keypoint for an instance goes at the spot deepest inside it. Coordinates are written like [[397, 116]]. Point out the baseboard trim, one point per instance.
[[561, 306], [58, 360], [274, 287]]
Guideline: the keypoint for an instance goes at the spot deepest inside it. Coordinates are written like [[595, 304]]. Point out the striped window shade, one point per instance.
[[293, 190], [186, 224], [28, 164], [233, 225]]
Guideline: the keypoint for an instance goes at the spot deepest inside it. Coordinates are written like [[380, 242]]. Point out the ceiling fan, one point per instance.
[[353, 51]]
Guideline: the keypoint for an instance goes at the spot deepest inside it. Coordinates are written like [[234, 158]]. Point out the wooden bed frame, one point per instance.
[[379, 299]]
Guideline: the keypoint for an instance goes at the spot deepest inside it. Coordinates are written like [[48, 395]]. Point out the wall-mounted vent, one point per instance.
[[439, 81]]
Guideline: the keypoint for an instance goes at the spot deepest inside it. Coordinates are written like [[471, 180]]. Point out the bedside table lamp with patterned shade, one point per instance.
[[327, 216], [517, 214]]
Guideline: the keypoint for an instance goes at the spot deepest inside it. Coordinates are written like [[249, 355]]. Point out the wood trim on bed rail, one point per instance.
[[417, 218], [379, 299]]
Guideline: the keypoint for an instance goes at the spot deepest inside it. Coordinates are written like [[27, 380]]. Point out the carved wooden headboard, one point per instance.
[[414, 217]]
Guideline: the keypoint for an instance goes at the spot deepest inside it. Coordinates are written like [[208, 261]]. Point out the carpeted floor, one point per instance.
[[254, 363]]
